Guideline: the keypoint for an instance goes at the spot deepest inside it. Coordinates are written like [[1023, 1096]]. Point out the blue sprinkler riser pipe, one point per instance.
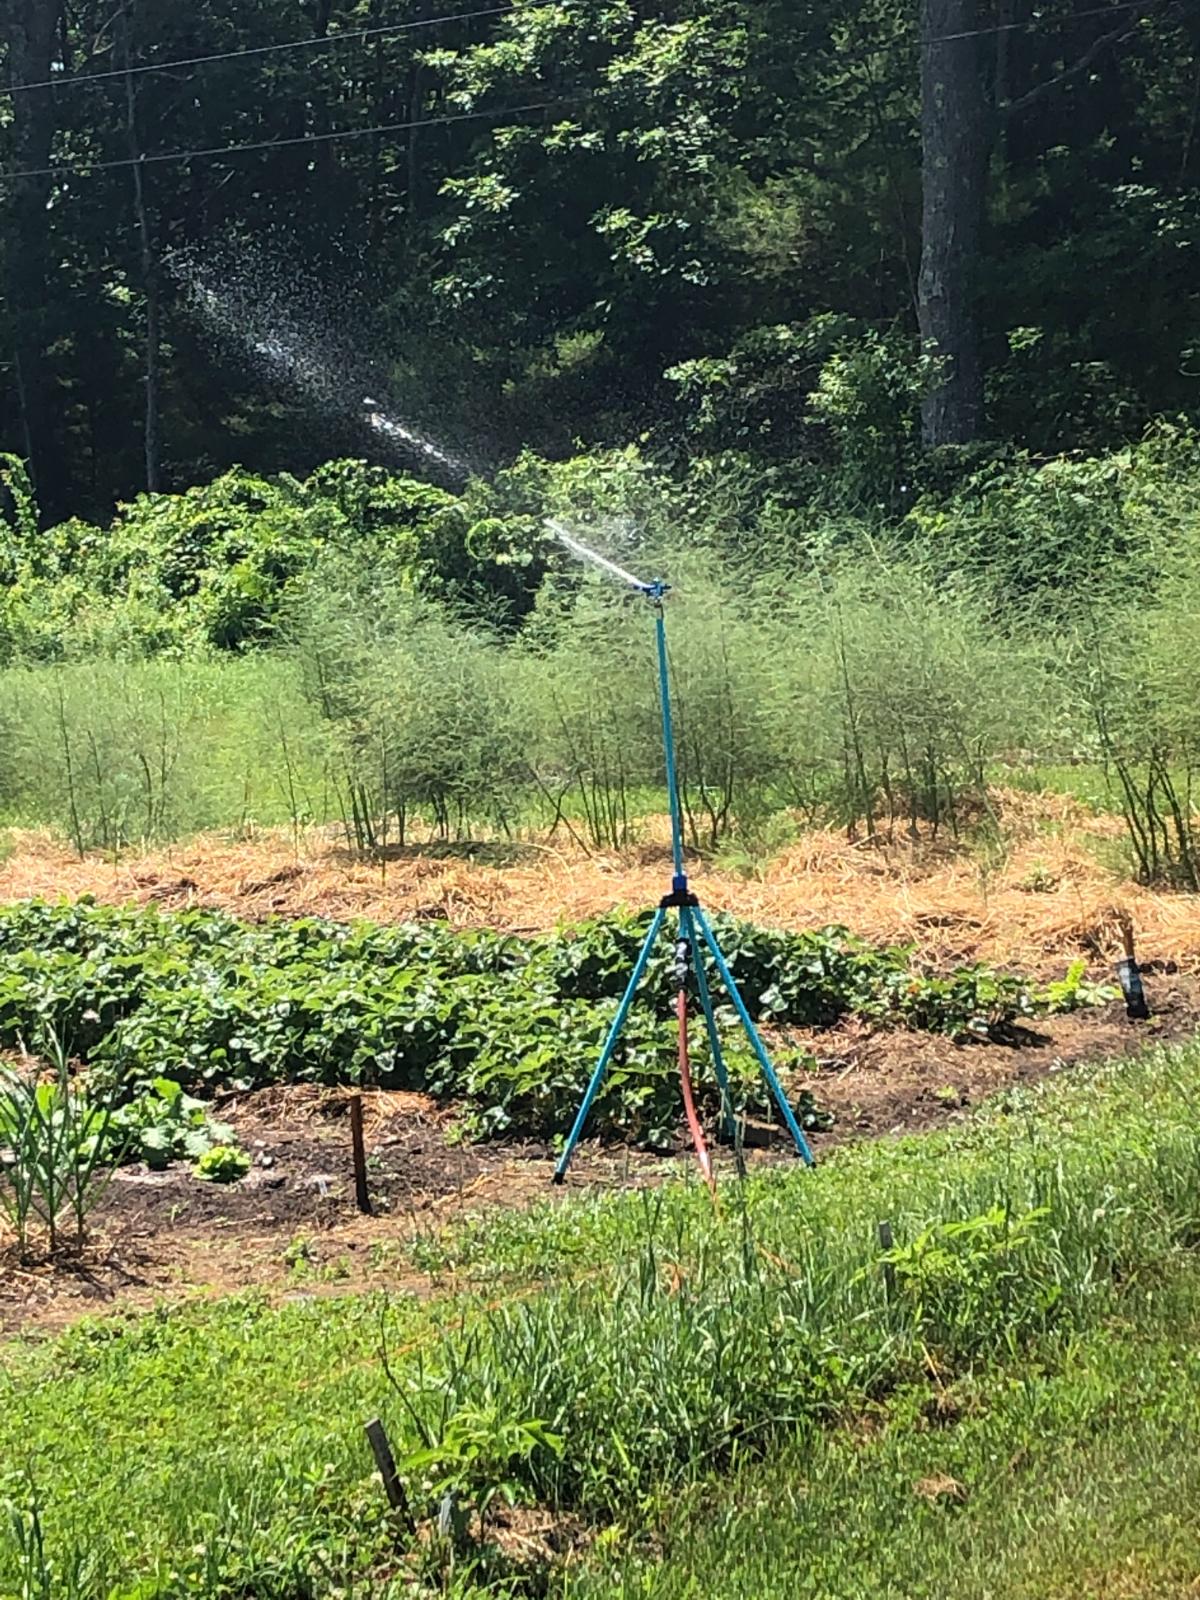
[[610, 1044], [679, 886]]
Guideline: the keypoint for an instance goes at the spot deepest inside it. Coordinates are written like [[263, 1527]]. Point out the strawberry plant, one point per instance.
[[508, 1027]]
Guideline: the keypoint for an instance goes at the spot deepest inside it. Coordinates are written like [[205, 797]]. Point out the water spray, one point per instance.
[[695, 935], [251, 296], [376, 417]]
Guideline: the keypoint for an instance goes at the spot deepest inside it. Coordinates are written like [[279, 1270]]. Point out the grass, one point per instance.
[[218, 1450], [1073, 1473], [1084, 781]]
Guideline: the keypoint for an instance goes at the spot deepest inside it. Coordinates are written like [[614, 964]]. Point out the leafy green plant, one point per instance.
[[1075, 990], [510, 1028], [222, 1163], [949, 1269], [165, 1125], [481, 1456]]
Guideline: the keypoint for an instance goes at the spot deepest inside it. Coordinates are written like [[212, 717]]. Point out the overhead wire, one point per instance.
[[88, 167], [317, 41], [82, 167], [1032, 23]]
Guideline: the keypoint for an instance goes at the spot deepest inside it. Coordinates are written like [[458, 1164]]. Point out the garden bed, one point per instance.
[[291, 1227]]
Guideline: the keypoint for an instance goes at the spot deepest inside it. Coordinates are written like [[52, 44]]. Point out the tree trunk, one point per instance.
[[955, 118], [149, 263], [30, 31]]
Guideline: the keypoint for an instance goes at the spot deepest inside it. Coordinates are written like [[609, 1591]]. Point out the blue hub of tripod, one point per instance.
[[694, 932]]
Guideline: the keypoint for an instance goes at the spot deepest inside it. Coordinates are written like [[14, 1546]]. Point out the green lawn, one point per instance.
[[1074, 1472]]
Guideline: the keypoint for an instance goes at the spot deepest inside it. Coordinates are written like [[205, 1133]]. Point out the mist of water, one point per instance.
[[284, 323]]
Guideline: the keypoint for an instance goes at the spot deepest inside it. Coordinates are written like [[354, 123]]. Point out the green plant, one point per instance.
[[480, 1456], [507, 1027], [667, 1343], [54, 1140], [950, 1269], [222, 1163], [165, 1124], [1075, 991]]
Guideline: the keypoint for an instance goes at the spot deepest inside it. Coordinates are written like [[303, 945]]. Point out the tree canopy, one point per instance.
[[699, 224]]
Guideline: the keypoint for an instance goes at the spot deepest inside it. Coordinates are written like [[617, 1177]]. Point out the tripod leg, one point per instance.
[[710, 1022], [610, 1044], [764, 1060]]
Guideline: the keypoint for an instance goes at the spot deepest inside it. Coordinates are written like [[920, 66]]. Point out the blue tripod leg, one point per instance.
[[764, 1060], [688, 927], [610, 1044]]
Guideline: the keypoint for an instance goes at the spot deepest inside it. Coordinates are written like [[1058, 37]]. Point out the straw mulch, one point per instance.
[[1053, 896]]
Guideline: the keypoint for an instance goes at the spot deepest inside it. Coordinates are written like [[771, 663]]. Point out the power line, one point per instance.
[[388, 29], [62, 82], [88, 167], [1037, 22]]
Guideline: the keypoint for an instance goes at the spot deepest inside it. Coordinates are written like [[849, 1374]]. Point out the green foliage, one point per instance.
[[946, 1263], [1096, 1443], [54, 1138], [222, 1163], [867, 396], [113, 753], [463, 674], [510, 1028], [164, 1124], [479, 1457], [18, 518], [217, 566]]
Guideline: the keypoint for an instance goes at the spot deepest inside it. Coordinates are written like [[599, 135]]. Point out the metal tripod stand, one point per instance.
[[695, 936]]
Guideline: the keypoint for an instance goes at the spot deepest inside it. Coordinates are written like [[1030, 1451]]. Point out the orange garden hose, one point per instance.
[[689, 1103]]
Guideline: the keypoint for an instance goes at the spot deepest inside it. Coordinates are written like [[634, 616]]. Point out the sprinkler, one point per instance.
[[694, 933]]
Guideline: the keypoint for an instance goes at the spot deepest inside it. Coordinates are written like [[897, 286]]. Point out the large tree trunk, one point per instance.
[[955, 120], [30, 32]]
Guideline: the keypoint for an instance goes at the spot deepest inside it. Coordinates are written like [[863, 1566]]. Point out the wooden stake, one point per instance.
[[889, 1271], [381, 1449], [361, 1193]]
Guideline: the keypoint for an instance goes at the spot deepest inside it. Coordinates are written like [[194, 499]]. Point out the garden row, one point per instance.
[[509, 1027]]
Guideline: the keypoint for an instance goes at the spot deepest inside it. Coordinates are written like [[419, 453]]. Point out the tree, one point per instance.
[[955, 117]]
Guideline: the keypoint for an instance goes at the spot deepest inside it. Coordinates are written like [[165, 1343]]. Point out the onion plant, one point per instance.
[[55, 1148]]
